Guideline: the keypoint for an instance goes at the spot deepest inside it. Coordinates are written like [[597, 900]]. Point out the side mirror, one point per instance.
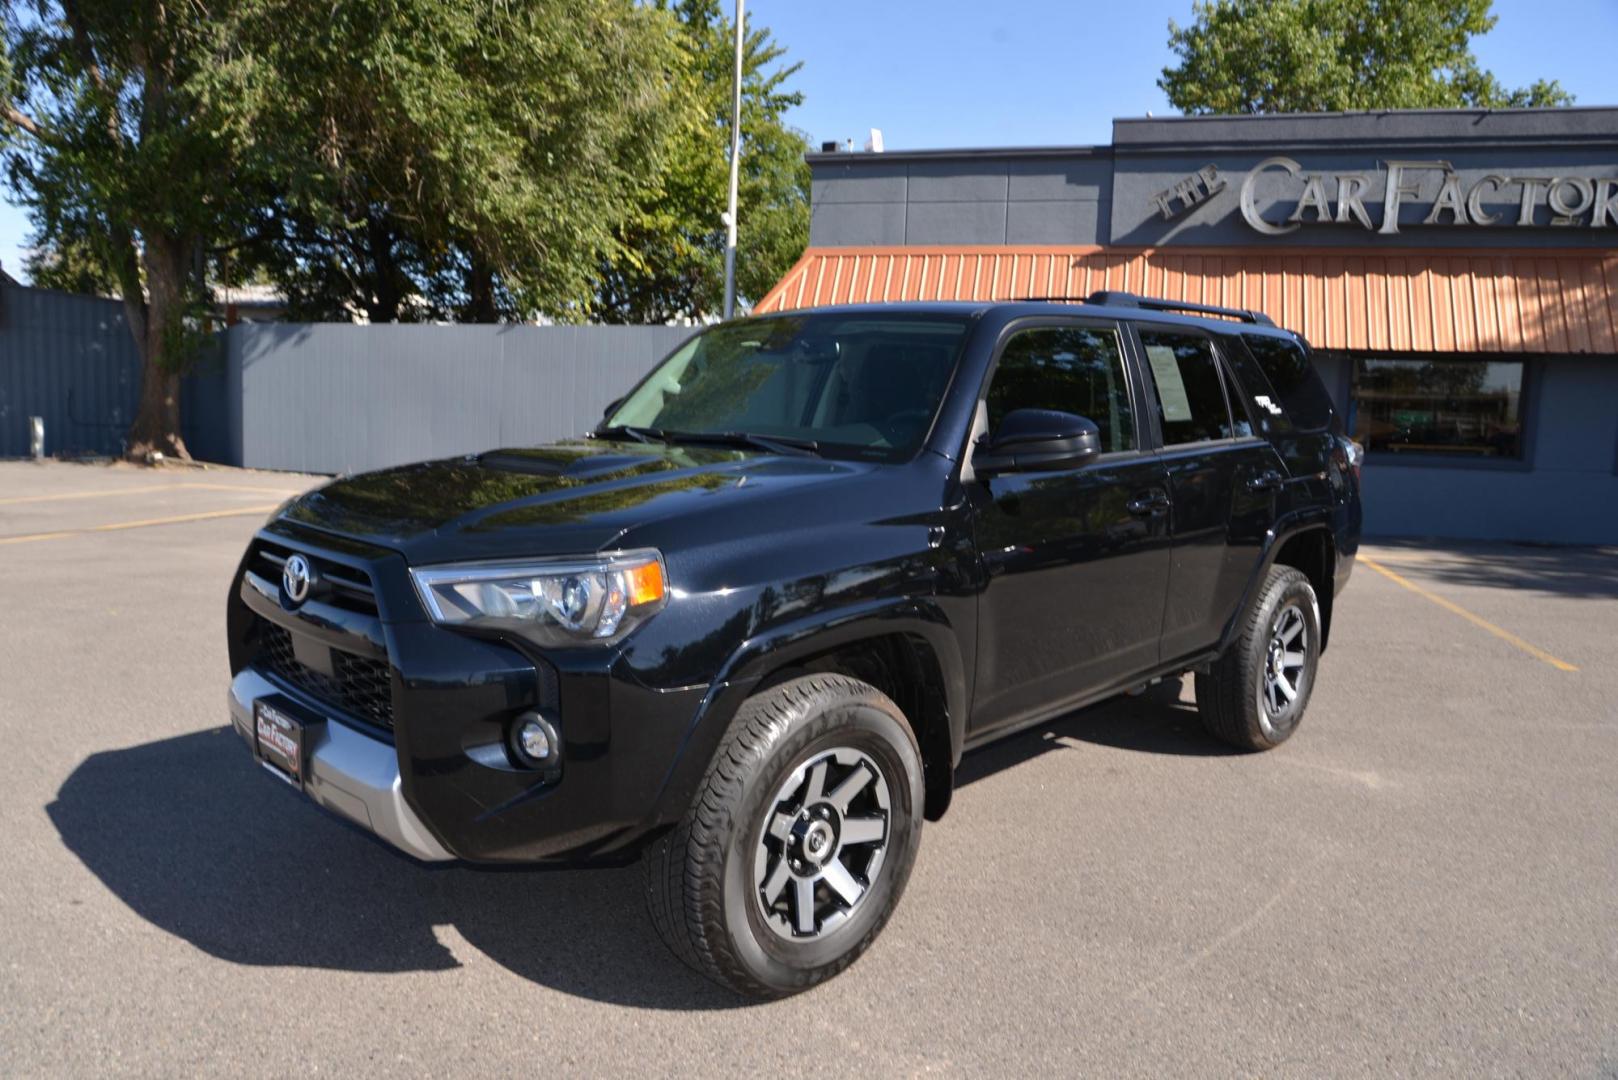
[[1036, 440], [612, 407]]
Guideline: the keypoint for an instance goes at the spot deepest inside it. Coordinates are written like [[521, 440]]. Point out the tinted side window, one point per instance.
[[1190, 390], [1294, 380], [1073, 369]]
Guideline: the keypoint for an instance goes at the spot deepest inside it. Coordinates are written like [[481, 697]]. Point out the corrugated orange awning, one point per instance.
[[1420, 301]]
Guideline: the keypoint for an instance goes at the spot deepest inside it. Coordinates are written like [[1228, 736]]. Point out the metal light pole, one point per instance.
[[735, 164]]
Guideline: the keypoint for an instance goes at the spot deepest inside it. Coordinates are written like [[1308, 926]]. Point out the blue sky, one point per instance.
[[934, 73]]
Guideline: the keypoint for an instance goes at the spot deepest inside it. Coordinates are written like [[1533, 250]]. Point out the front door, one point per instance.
[[1077, 559]]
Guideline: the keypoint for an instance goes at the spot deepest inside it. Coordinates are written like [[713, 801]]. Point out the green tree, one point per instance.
[[455, 159], [401, 159], [1271, 56], [127, 162], [669, 260]]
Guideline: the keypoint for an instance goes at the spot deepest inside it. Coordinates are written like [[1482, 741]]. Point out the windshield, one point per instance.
[[863, 386]]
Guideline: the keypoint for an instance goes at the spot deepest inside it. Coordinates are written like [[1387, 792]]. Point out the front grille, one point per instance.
[[358, 685], [339, 584]]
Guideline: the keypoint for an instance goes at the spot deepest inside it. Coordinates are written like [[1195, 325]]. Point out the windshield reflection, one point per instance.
[[838, 384]]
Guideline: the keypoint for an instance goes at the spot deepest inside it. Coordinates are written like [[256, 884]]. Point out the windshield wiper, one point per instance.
[[775, 444], [629, 431]]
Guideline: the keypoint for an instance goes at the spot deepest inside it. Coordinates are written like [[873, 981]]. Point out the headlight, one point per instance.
[[559, 601]]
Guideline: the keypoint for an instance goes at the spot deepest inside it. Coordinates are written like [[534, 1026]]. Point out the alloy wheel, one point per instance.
[[822, 845], [1285, 660]]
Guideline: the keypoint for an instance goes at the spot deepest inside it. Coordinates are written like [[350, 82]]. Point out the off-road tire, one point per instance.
[[1231, 696], [700, 888]]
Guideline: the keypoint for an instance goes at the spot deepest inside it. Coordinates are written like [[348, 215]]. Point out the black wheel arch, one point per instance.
[[905, 647], [1307, 543]]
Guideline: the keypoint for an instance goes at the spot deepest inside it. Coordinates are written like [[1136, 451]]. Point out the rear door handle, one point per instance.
[[1268, 480], [1155, 501]]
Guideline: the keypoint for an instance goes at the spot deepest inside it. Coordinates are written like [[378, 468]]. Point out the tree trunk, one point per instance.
[[387, 301], [158, 335], [480, 307]]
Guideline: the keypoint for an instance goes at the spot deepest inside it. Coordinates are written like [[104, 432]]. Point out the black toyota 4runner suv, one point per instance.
[[749, 625]]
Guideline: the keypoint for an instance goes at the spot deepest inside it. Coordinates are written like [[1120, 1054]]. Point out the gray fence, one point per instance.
[[333, 398], [70, 360], [314, 397]]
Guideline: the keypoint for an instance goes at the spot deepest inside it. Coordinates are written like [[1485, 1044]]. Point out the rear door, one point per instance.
[[1222, 482], [1076, 558]]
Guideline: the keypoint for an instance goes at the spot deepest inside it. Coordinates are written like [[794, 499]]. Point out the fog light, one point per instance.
[[533, 740]]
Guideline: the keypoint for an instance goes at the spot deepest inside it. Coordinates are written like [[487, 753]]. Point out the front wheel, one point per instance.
[[799, 842], [1255, 694]]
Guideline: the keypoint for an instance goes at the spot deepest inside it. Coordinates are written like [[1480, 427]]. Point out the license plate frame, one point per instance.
[[283, 737]]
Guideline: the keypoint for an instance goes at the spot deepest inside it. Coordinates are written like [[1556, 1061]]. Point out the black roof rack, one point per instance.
[[1152, 303]]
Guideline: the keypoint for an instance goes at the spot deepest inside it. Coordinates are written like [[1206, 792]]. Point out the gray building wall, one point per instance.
[[330, 398], [1106, 195], [1151, 155], [1564, 491], [960, 197], [1566, 488]]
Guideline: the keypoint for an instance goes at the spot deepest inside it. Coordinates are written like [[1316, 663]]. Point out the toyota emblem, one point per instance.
[[297, 577]]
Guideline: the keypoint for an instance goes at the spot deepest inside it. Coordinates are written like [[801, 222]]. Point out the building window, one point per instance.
[[1454, 406]]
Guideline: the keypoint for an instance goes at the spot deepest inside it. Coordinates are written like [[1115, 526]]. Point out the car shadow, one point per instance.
[[1580, 572], [198, 841], [1161, 720]]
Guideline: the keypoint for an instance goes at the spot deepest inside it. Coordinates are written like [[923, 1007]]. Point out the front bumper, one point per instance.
[[350, 774], [417, 717]]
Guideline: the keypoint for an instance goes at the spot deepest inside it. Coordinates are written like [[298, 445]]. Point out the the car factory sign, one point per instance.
[[1374, 200]]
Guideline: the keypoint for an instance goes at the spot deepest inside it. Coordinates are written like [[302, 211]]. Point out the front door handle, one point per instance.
[[1147, 503], [1268, 480]]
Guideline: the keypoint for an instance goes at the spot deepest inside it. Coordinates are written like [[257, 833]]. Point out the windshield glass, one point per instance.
[[863, 386]]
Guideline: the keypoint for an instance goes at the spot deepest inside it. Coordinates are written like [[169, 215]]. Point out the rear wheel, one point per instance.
[[1255, 694], [799, 842]]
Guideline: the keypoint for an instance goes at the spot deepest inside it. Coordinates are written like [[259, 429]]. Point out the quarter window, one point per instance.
[[1454, 406], [1293, 379], [1190, 389], [1072, 369]]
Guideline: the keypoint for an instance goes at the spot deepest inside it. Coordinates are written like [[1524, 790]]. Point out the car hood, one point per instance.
[[566, 498]]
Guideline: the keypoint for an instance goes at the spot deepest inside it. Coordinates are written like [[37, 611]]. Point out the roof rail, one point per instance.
[[1152, 303]]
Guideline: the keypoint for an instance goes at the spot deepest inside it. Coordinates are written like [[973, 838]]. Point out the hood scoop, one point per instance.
[[547, 461]]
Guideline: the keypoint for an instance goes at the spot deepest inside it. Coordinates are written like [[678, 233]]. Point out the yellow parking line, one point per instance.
[[201, 486], [209, 485], [28, 538], [86, 494], [1476, 620]]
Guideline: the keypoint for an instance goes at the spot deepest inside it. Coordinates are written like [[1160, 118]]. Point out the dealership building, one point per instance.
[[1456, 272]]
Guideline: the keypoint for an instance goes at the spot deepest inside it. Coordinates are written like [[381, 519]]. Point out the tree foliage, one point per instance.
[[398, 159], [454, 159], [117, 142], [1271, 56], [669, 260]]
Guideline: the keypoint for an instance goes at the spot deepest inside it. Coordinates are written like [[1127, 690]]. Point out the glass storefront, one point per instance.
[[1453, 406]]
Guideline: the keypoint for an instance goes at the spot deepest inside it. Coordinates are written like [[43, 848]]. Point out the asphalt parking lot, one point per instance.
[[1423, 881]]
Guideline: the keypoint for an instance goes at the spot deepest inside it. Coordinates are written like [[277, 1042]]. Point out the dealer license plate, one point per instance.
[[280, 742]]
